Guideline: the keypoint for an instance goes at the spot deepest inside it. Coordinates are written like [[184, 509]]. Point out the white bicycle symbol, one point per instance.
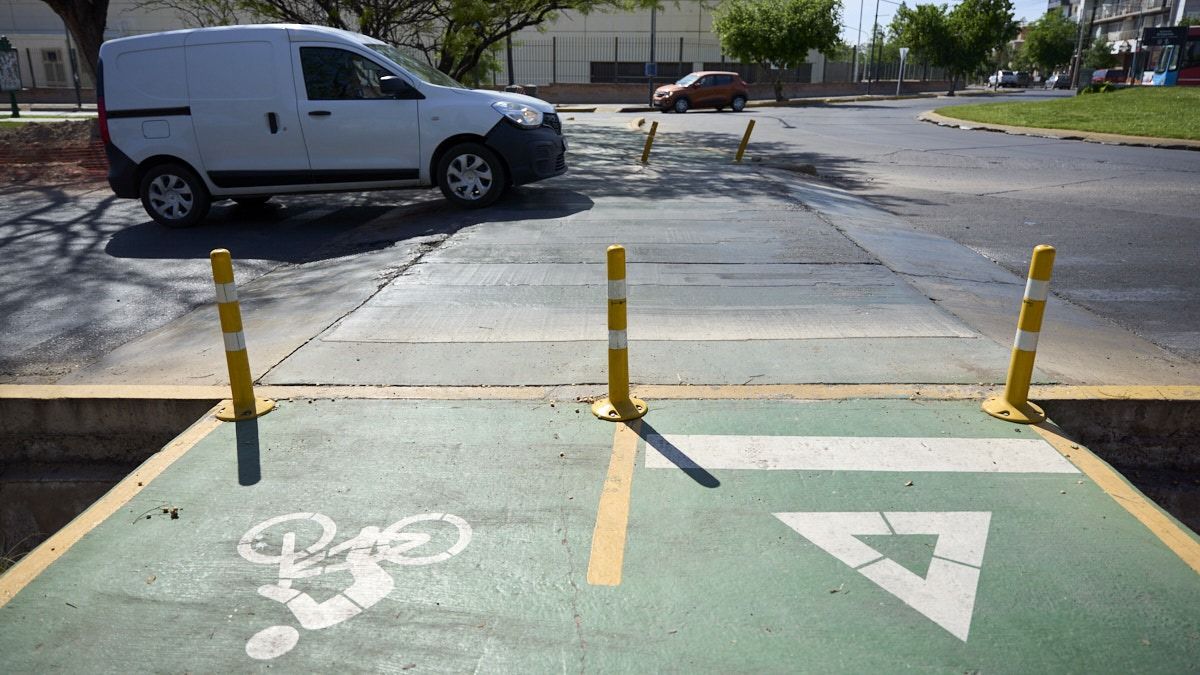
[[363, 554]]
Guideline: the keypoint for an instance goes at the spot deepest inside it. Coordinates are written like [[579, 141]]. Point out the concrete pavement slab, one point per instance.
[[496, 536], [847, 361]]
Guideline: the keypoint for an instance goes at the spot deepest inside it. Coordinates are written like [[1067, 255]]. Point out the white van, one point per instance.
[[247, 112]]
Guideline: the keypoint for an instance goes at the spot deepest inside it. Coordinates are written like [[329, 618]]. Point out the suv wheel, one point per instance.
[[682, 105], [174, 196], [471, 176], [739, 103]]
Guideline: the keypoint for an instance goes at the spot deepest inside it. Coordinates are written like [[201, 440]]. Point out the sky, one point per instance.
[[1030, 10]]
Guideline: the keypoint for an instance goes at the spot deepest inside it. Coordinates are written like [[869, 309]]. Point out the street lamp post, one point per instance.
[[874, 39]]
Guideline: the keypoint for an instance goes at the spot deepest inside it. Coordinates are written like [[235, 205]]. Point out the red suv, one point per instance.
[[705, 89]]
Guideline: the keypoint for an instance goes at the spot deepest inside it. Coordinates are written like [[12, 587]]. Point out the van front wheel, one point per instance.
[[174, 196], [471, 176]]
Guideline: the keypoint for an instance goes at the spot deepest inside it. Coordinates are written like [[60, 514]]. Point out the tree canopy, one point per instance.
[[962, 39], [777, 33], [459, 37], [1099, 55], [1050, 41]]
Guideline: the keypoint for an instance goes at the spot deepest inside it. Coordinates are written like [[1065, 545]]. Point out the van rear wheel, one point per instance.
[[174, 196], [471, 176]]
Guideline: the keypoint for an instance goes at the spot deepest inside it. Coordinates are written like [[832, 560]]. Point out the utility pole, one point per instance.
[[874, 39], [857, 43], [1075, 84], [74, 68], [508, 48], [652, 66]]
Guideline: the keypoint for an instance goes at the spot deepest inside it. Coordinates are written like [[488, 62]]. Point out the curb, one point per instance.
[[1062, 134]]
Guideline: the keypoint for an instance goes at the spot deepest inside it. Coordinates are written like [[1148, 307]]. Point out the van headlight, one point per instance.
[[520, 114]]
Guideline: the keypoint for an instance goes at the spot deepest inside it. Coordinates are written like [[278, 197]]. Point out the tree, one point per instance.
[[962, 39], [459, 37], [777, 33], [1099, 55], [1189, 21], [1050, 41], [86, 20]]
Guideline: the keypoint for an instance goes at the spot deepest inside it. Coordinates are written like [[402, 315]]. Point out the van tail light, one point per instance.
[[102, 116], [101, 111]]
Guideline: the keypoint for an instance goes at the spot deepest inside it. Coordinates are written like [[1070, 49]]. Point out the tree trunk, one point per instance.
[[953, 84], [778, 88], [86, 20]]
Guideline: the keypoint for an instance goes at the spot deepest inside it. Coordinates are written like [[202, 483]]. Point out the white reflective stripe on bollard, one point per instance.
[[616, 289], [1037, 290], [227, 292], [234, 342], [617, 340], [1026, 341]]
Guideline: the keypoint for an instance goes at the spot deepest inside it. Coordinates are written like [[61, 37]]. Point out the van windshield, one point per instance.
[[415, 66]]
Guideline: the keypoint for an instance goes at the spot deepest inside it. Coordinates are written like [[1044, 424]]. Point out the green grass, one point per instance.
[[1165, 112]]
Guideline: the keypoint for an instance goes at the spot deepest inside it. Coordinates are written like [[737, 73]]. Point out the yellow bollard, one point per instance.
[[649, 142], [243, 405], [619, 406], [1014, 405], [745, 142]]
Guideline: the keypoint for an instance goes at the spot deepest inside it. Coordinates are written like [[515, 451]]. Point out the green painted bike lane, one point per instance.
[[762, 536]]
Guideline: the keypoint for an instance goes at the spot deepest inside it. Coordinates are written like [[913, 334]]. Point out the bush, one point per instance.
[[1099, 88]]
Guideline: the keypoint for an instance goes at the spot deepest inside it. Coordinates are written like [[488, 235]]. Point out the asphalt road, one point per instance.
[[89, 273], [1125, 220]]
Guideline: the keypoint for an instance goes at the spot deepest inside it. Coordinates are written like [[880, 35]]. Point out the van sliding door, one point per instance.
[[244, 109]]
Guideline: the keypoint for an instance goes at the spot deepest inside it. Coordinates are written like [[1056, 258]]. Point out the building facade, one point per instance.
[[573, 48]]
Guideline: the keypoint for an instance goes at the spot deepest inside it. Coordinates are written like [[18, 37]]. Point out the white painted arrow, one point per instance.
[[947, 593]]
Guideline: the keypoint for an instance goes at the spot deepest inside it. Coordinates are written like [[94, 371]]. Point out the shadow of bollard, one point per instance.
[[657, 442], [248, 465]]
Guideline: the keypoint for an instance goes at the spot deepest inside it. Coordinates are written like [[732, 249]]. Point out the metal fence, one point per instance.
[[623, 59]]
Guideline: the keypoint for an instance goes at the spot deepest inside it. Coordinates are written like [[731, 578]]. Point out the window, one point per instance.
[[706, 81], [337, 75], [53, 68], [1191, 58], [723, 80]]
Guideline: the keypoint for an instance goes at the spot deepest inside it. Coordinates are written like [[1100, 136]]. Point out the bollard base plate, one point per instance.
[[620, 411], [1001, 409], [262, 406]]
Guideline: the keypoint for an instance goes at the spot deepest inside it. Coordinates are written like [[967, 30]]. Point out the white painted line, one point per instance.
[[616, 289], [1026, 341], [618, 339], [227, 292], [234, 342], [851, 453], [1037, 290]]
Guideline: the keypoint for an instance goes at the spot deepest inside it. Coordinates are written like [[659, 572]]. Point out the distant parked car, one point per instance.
[[1023, 79], [1003, 78], [1108, 75], [1058, 81], [704, 89]]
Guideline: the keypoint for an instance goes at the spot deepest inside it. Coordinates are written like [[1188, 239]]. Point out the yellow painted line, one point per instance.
[[1162, 526], [941, 392], [612, 517], [28, 568]]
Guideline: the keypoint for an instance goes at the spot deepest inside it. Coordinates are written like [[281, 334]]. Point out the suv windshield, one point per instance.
[[422, 70], [688, 79]]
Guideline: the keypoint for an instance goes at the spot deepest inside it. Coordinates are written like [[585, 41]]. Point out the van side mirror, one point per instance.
[[397, 88]]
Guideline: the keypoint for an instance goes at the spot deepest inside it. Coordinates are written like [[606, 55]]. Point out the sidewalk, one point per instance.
[[433, 492]]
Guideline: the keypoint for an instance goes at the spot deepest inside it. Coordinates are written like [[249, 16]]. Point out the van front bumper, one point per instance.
[[531, 154]]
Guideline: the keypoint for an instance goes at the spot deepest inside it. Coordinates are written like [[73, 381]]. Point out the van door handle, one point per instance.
[[319, 113], [273, 122]]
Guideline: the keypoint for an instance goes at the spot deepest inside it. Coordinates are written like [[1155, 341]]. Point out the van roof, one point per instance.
[[297, 32]]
